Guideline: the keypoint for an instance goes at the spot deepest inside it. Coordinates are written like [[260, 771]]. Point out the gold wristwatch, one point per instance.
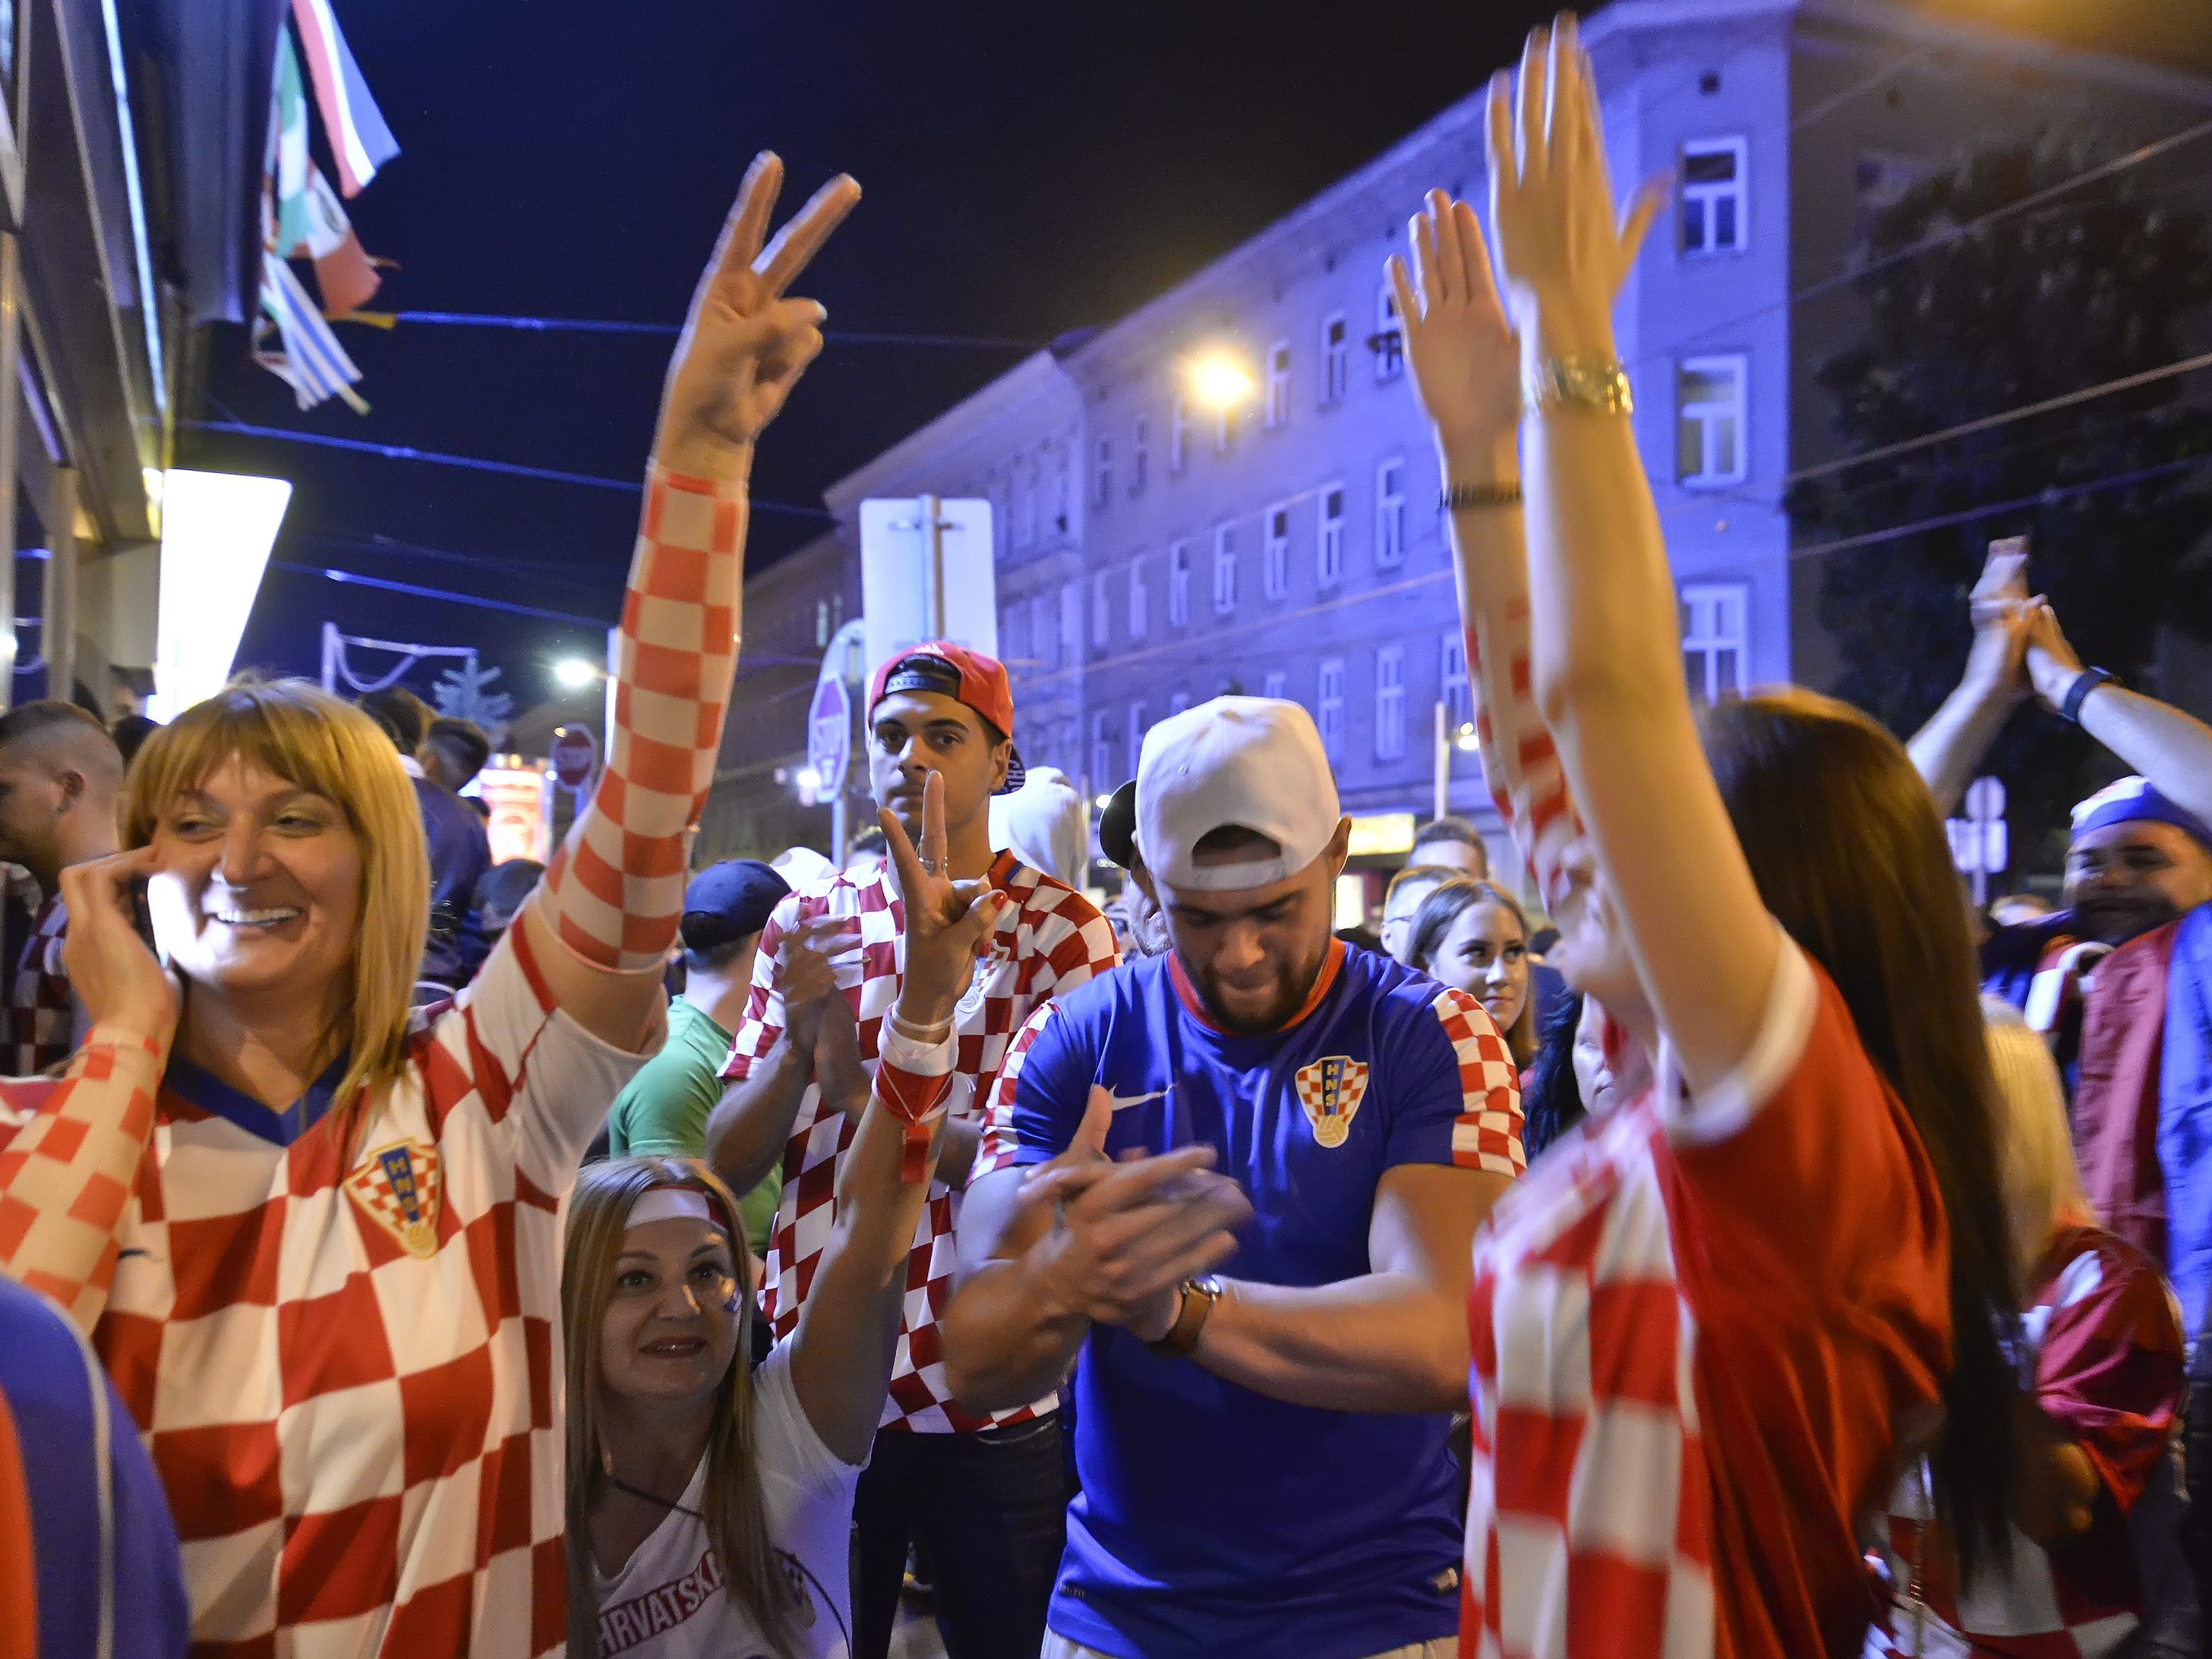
[[1596, 386], [1198, 1296]]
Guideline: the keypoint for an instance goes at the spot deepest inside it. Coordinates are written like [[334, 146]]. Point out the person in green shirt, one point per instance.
[[664, 1109]]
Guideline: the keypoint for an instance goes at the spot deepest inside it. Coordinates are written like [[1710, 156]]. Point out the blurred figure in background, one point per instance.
[[461, 850], [663, 1110], [1402, 898], [60, 774], [454, 751], [1045, 825], [1137, 926], [866, 854], [1453, 843], [802, 867], [2019, 909]]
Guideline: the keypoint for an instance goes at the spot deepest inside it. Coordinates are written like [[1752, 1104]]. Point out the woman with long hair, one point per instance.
[[1474, 936], [710, 1504], [314, 1238], [2100, 1337], [1712, 1323]]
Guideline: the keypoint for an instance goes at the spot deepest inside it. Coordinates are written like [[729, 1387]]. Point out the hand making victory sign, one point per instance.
[[745, 345], [947, 921]]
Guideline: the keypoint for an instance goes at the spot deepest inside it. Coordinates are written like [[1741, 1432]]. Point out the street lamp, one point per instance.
[[1467, 737], [1219, 381], [576, 672], [810, 780]]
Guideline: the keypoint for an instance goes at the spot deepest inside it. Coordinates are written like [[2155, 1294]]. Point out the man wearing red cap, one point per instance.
[[986, 1494]]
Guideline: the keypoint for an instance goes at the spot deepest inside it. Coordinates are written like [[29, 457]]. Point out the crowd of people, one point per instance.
[[1701, 1237]]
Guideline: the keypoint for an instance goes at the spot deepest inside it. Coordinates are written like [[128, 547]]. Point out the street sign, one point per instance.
[[1980, 845], [927, 573], [829, 734], [574, 754]]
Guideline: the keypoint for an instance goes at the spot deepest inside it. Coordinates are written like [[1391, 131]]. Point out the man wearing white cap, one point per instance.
[[1262, 1457]]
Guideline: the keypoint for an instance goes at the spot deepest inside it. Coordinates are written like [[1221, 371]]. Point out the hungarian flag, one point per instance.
[[304, 218]]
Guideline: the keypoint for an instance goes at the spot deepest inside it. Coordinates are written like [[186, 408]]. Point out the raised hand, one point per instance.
[[2002, 614], [745, 345], [1466, 363], [947, 921], [2053, 665], [111, 969], [1561, 250]]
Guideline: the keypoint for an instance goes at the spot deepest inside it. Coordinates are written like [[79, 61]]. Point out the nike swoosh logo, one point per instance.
[[124, 1255], [1122, 1102]]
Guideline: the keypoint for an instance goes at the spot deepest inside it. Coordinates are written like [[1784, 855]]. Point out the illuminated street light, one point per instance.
[[1220, 382], [1103, 802], [1466, 737], [576, 672], [810, 780]]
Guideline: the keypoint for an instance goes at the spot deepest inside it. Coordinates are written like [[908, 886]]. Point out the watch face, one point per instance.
[[1206, 1284]]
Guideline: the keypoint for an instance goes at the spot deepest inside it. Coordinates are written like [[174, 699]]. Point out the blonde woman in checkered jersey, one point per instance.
[[313, 1237], [1715, 1316]]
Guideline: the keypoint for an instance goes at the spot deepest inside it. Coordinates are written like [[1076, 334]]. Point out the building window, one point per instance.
[[1101, 754], [1389, 513], [1388, 344], [1328, 708], [1179, 584], [1224, 428], [1102, 615], [1708, 421], [1102, 480], [1178, 436], [1012, 633], [1390, 702], [1279, 384], [1141, 453], [1714, 643], [1025, 505], [1224, 569], [1335, 359], [1452, 681], [1137, 724], [1071, 625], [1276, 553], [1277, 685], [1140, 601], [1330, 558], [1715, 210], [1043, 640]]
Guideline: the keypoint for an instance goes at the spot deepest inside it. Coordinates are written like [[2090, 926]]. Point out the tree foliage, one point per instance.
[[2101, 282]]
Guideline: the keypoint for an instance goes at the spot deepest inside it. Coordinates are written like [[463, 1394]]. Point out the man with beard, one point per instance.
[[2120, 980], [1263, 1457]]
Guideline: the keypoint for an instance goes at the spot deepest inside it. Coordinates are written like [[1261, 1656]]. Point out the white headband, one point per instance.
[[670, 1204]]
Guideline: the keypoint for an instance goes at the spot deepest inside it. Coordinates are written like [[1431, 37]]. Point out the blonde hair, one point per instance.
[[736, 1517], [2036, 1171], [317, 743]]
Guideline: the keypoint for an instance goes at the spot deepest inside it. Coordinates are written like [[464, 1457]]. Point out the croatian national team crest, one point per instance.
[[398, 1190], [1331, 1090]]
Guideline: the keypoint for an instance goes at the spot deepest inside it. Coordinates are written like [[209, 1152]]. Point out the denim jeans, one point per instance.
[[991, 1510]]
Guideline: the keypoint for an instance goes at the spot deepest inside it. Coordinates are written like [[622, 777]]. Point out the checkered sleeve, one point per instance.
[[66, 1171], [1519, 763], [1455, 1092], [1076, 943], [616, 888], [999, 1142], [762, 1023], [2109, 1371]]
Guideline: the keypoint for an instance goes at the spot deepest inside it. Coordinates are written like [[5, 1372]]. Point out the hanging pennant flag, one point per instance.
[[359, 138], [301, 214], [308, 357]]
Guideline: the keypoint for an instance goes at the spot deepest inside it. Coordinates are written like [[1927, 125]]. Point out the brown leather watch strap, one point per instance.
[[1198, 1296]]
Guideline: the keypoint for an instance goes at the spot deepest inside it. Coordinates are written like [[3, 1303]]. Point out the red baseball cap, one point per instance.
[[966, 676]]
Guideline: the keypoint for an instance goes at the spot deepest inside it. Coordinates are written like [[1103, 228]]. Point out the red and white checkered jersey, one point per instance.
[[345, 1363], [2100, 1330], [41, 1014], [1695, 1327], [1052, 940]]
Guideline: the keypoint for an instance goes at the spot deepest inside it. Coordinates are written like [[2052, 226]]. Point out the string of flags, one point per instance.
[[302, 217]]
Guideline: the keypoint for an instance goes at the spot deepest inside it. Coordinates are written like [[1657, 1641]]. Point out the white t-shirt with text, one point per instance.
[[668, 1601]]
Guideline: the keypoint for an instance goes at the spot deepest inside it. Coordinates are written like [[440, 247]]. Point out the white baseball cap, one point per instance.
[[1253, 762]]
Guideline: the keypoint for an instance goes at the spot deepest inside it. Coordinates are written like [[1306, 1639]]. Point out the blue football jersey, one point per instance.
[[1213, 1520]]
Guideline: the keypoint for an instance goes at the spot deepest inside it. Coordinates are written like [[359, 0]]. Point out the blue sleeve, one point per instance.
[[1052, 1087], [153, 1613], [1452, 1090]]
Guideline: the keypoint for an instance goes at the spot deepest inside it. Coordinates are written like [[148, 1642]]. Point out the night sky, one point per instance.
[[1029, 168]]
